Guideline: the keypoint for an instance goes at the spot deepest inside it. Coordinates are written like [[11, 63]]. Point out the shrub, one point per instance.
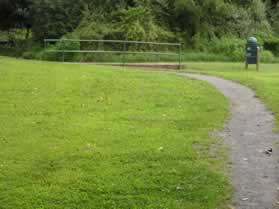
[[28, 55], [231, 47], [204, 56], [272, 45], [62, 45], [267, 56], [8, 51]]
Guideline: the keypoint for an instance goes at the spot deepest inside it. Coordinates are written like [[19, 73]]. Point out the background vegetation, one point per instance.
[[218, 27]]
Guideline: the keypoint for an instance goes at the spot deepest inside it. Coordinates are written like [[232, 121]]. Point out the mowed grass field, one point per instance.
[[265, 82], [82, 136]]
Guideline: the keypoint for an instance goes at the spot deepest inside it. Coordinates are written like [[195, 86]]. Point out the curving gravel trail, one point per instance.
[[249, 134]]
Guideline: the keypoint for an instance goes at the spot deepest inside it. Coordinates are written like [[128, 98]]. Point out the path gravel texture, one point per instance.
[[248, 134]]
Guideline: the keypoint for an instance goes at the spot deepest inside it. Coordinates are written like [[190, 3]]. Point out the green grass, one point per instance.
[[265, 82], [81, 136]]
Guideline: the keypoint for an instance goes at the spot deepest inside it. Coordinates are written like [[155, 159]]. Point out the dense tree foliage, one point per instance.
[[16, 14], [194, 22]]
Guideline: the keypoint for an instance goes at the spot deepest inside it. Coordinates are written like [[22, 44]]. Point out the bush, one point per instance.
[[204, 56], [9, 51], [272, 45], [267, 56], [225, 49], [231, 47], [16, 48], [60, 46], [28, 55]]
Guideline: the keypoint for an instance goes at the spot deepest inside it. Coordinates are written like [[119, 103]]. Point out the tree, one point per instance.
[[15, 14], [54, 18]]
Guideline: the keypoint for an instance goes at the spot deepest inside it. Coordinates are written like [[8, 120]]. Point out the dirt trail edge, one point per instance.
[[249, 134]]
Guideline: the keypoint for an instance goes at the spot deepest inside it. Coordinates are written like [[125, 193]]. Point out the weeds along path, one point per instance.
[[249, 135]]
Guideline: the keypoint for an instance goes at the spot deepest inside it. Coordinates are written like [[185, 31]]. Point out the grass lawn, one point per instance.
[[265, 82], [81, 136]]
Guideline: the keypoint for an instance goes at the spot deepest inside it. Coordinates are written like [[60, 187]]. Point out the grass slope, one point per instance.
[[81, 136], [265, 82]]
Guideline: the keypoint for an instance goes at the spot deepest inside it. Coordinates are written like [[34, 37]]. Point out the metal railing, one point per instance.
[[124, 49]]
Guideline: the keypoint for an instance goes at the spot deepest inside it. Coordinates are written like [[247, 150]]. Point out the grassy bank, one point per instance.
[[265, 82], [81, 136]]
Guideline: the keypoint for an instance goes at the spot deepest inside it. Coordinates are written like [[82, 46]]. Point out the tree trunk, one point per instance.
[[27, 33]]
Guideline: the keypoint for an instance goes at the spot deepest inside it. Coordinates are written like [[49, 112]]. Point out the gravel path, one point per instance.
[[248, 134]]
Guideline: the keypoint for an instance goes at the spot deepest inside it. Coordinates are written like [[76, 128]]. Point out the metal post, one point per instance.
[[246, 60], [45, 48], [258, 58], [63, 53], [158, 58], [179, 67], [124, 52]]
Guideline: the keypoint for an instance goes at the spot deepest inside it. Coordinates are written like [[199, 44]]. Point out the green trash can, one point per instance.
[[252, 52]]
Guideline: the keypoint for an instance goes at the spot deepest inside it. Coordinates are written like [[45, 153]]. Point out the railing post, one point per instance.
[[124, 53], [63, 53], [45, 49], [179, 56], [258, 59]]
